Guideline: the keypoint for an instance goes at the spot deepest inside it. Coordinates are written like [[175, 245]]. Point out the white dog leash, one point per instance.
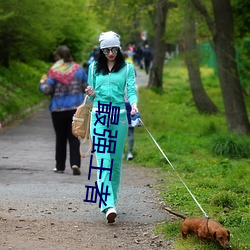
[[174, 170]]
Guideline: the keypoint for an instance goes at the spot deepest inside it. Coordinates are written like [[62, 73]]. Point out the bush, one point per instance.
[[231, 146], [19, 88], [224, 200]]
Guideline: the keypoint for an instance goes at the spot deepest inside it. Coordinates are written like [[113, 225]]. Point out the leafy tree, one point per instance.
[[241, 18], [175, 24], [156, 72], [78, 29], [201, 99], [126, 17], [28, 33], [22, 35], [221, 28]]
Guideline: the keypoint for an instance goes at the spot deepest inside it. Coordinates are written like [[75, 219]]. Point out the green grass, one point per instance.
[[19, 88], [214, 164]]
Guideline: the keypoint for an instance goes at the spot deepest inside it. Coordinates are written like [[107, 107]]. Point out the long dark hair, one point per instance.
[[102, 67]]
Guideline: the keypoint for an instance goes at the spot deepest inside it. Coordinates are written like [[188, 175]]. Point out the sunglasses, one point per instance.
[[106, 51]]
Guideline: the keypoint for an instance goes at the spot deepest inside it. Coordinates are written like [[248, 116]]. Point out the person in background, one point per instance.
[[128, 108], [65, 83], [93, 54], [108, 78], [130, 133], [138, 56], [147, 54]]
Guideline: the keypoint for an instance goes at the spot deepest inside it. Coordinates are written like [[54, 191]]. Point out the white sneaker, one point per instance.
[[129, 156], [111, 214], [58, 171]]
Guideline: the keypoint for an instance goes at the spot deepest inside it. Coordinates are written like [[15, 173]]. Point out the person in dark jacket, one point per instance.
[[147, 54]]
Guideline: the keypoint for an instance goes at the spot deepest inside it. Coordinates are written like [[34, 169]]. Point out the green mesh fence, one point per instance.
[[207, 55], [208, 58]]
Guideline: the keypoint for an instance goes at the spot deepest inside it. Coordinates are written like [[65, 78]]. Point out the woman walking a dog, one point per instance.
[[108, 78]]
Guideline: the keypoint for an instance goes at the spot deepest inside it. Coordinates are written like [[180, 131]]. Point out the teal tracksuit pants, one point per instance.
[[108, 142]]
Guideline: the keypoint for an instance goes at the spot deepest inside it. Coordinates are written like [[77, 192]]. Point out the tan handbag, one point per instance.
[[81, 125]]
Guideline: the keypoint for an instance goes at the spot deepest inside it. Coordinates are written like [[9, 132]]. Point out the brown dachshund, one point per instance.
[[204, 229]]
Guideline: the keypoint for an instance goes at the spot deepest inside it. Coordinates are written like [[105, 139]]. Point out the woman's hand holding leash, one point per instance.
[[90, 91], [134, 109], [135, 116]]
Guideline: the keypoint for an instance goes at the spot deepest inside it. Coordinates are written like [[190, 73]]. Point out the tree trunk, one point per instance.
[[235, 109], [201, 99], [223, 38], [159, 47]]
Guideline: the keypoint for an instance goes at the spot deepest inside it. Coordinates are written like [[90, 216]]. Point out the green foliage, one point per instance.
[[175, 25], [170, 230], [176, 18], [128, 18], [224, 200], [29, 33], [243, 59], [219, 183], [241, 17]]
